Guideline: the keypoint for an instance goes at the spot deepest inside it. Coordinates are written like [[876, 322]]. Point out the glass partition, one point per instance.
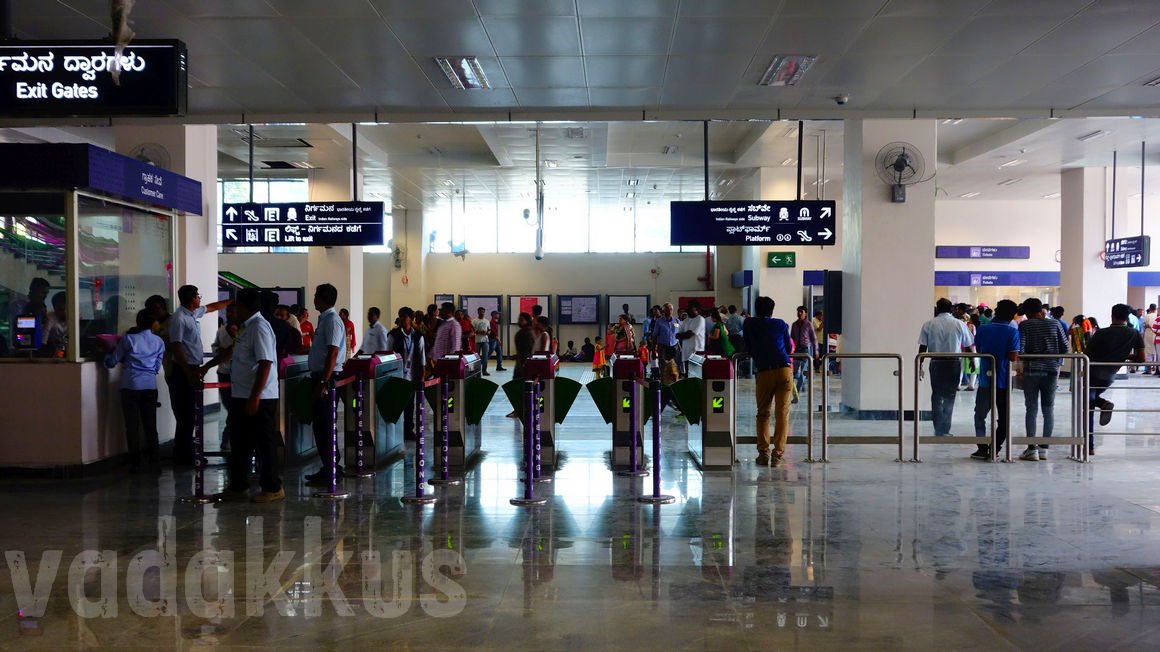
[[32, 273], [125, 256]]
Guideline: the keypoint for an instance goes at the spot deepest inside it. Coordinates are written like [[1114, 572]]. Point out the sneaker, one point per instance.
[[1106, 413], [321, 474], [231, 496], [1030, 455], [269, 496], [500, 369], [762, 460], [778, 461], [981, 454], [1042, 454]]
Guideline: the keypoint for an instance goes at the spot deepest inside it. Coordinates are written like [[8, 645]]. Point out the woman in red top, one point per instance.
[[349, 326], [625, 337], [467, 339]]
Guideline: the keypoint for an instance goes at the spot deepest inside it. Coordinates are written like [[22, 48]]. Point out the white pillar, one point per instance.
[[887, 262], [408, 286], [1085, 286], [342, 267]]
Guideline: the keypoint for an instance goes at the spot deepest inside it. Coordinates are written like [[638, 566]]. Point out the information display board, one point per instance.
[[524, 303], [1128, 252], [441, 299], [981, 251], [578, 308], [72, 78], [489, 302], [638, 305], [755, 222], [303, 224]]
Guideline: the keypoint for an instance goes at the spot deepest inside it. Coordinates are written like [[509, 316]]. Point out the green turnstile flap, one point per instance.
[[478, 393], [393, 396], [566, 392], [603, 392], [687, 394], [514, 390], [432, 394], [301, 396]]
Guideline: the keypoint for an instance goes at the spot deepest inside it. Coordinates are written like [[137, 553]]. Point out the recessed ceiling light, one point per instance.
[[786, 69], [1054, 195], [1012, 163], [968, 195], [399, 207], [551, 164], [633, 182], [627, 209], [1009, 182], [952, 121], [788, 162], [725, 182], [464, 73], [824, 182], [303, 165], [448, 182], [630, 195], [574, 132], [1098, 133]]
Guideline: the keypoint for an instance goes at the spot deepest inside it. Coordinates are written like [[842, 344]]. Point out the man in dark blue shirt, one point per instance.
[[1000, 338], [768, 342]]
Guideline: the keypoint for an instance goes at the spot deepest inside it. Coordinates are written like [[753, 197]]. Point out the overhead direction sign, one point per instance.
[[754, 222], [781, 259], [303, 224], [1128, 252]]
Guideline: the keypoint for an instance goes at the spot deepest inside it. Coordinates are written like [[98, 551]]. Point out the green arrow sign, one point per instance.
[[718, 404], [781, 259]]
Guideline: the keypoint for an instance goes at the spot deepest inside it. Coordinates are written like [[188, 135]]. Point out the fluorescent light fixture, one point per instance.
[[1012, 163], [968, 195], [725, 182], [464, 73], [303, 165], [786, 69], [1134, 196], [669, 149], [714, 195], [1009, 182], [448, 182], [1153, 83], [627, 209], [788, 162], [551, 164], [633, 182], [1054, 195], [1098, 133], [824, 182], [399, 207], [952, 121], [630, 195]]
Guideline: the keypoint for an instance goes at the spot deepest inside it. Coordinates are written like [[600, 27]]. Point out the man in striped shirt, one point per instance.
[[1039, 335]]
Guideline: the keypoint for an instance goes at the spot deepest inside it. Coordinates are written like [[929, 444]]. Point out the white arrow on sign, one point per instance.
[[825, 233], [231, 213], [232, 234], [826, 212], [777, 259]]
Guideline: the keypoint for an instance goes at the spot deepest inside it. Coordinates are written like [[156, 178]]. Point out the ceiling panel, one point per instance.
[[626, 97], [1113, 70], [912, 36], [833, 8], [1146, 43], [1035, 7], [999, 35], [220, 69], [447, 36], [446, 9], [728, 8], [634, 9], [604, 36], [526, 7], [810, 35], [499, 97], [717, 35], [1093, 34], [625, 71], [326, 9], [927, 8], [535, 36], [938, 72], [197, 8], [552, 97], [361, 38], [544, 72], [1130, 96], [855, 72]]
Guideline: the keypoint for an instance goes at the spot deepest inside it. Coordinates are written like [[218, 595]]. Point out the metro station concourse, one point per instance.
[[583, 160]]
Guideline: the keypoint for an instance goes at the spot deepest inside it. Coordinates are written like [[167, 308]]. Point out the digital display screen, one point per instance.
[[26, 323]]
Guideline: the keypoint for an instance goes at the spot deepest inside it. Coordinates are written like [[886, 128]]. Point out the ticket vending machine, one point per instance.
[[464, 438], [543, 366], [627, 371], [713, 441]]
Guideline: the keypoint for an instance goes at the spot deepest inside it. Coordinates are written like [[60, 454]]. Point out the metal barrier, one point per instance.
[[808, 439], [420, 497], [1089, 411], [199, 496], [1079, 410], [992, 441], [332, 492], [826, 439], [657, 498]]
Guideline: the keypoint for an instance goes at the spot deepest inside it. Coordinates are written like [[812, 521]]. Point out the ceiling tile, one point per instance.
[[716, 69], [1092, 34], [349, 99], [1127, 97], [221, 69], [446, 9], [499, 97], [728, 8], [808, 35], [714, 35], [999, 35], [212, 100], [1058, 96], [552, 97], [1059, 8], [76, 27], [24, 9], [313, 71], [861, 73], [526, 7], [359, 37], [928, 8], [372, 72], [490, 66], [1113, 70], [625, 72], [1146, 43], [622, 9], [534, 36], [544, 72], [833, 8], [324, 9], [623, 97], [949, 72], [268, 100], [626, 36], [443, 37], [913, 36]]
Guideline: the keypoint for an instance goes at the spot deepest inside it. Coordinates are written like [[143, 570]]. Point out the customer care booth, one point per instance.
[[86, 235]]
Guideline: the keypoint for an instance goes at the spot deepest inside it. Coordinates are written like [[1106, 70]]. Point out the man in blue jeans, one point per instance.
[[1116, 343], [944, 334], [1040, 335], [1000, 339]]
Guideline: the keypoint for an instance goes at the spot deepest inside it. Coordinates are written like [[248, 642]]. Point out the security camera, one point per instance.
[[841, 100]]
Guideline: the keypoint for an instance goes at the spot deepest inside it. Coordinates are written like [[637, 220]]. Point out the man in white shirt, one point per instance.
[[186, 353], [691, 334], [376, 338], [944, 334], [327, 355], [481, 327]]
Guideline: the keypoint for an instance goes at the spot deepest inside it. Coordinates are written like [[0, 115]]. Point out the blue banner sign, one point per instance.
[[303, 224], [754, 222], [981, 251], [1001, 279], [1128, 252]]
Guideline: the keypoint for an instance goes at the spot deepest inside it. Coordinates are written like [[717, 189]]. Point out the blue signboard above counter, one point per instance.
[[303, 224], [982, 251], [74, 78], [997, 279], [752, 222]]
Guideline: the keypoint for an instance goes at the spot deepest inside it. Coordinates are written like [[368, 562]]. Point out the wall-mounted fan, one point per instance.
[[900, 165], [153, 154]]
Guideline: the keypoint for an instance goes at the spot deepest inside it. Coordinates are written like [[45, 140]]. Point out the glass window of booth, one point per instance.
[[32, 274]]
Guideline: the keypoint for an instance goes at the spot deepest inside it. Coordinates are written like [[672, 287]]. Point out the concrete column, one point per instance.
[[887, 262], [1085, 286], [342, 267]]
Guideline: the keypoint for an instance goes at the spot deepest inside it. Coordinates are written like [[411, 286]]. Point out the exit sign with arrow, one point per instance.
[[781, 259]]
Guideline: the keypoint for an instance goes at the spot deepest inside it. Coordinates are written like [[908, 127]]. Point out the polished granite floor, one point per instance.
[[861, 553]]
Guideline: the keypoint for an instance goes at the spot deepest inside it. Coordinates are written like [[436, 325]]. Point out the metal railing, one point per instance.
[[991, 441], [826, 439], [1079, 410], [808, 439], [1089, 411]]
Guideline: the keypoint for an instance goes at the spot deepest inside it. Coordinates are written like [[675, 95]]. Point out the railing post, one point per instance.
[[360, 470], [420, 497], [656, 498], [529, 498], [825, 408], [444, 442], [199, 461]]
